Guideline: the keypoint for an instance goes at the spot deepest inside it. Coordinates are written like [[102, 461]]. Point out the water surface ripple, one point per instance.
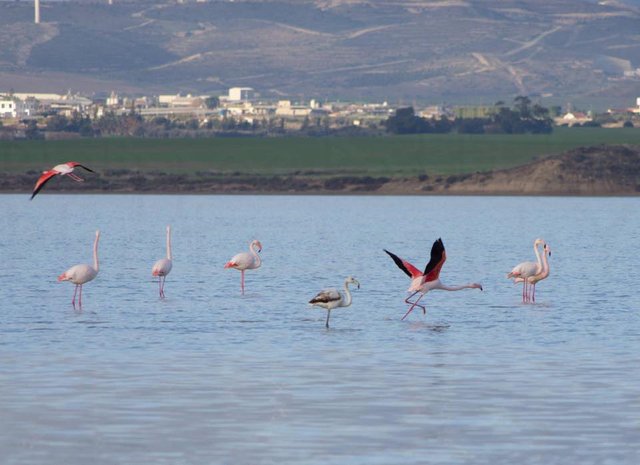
[[208, 376]]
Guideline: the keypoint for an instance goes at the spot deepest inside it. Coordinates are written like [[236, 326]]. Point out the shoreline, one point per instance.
[[600, 171]]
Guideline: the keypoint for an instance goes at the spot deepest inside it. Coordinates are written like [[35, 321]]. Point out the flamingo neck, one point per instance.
[[537, 252], [454, 288], [96, 265], [347, 295], [169, 244], [256, 256], [545, 265]]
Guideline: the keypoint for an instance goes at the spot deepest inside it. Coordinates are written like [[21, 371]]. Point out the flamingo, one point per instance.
[[544, 273], [81, 274], [162, 267], [246, 261], [525, 270], [64, 169], [430, 279], [332, 298]]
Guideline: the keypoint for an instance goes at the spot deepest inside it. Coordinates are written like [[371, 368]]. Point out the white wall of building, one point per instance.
[[238, 94], [7, 109]]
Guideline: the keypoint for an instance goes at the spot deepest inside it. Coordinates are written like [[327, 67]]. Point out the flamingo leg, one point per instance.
[[413, 306], [75, 177], [73, 301], [80, 303], [328, 315], [407, 301], [242, 281], [162, 280], [533, 294]]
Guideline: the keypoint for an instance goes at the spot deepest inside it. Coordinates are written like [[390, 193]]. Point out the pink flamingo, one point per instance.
[[430, 279], [525, 270], [544, 273], [81, 274], [246, 261], [65, 169], [162, 267]]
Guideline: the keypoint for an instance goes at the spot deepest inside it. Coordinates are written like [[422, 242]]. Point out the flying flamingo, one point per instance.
[[332, 298], [65, 169], [81, 274], [162, 267], [430, 279], [246, 261], [544, 273], [525, 270]]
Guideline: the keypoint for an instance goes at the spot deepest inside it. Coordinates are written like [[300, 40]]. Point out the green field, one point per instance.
[[378, 156]]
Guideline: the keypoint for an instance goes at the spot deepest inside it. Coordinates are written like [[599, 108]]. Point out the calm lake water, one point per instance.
[[208, 376]]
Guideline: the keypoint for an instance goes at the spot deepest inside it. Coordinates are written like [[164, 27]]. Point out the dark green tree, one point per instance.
[[212, 102]]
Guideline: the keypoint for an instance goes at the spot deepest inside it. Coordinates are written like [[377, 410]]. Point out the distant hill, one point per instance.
[[597, 170], [454, 51]]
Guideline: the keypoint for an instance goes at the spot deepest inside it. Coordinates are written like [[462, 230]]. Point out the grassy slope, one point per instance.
[[388, 156]]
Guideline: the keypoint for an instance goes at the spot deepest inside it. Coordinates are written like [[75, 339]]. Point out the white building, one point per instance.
[[16, 108], [181, 101], [8, 109], [285, 108], [238, 94], [38, 96], [113, 100]]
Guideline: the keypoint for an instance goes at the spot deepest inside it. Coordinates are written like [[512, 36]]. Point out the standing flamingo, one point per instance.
[[544, 273], [246, 261], [332, 298], [81, 274], [526, 270], [64, 169], [430, 279], [162, 267]]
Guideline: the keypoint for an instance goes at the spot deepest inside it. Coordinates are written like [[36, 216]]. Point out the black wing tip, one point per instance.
[[438, 244], [84, 167], [36, 191], [391, 254]]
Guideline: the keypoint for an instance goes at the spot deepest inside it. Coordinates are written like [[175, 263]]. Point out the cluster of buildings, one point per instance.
[[29, 105], [240, 103], [243, 104]]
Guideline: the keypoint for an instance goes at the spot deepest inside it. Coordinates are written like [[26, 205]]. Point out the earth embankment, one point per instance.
[[592, 171]]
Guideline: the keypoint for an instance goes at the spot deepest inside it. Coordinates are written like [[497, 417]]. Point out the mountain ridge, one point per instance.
[[430, 51]]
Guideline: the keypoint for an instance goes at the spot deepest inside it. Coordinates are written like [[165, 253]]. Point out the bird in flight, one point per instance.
[[64, 169]]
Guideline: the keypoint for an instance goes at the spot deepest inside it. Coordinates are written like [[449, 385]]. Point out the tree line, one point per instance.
[[521, 117]]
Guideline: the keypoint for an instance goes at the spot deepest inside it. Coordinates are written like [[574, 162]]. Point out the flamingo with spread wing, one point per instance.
[[423, 282], [64, 169]]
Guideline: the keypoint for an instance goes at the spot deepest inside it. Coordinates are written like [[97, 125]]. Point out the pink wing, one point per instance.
[[405, 266], [46, 176]]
